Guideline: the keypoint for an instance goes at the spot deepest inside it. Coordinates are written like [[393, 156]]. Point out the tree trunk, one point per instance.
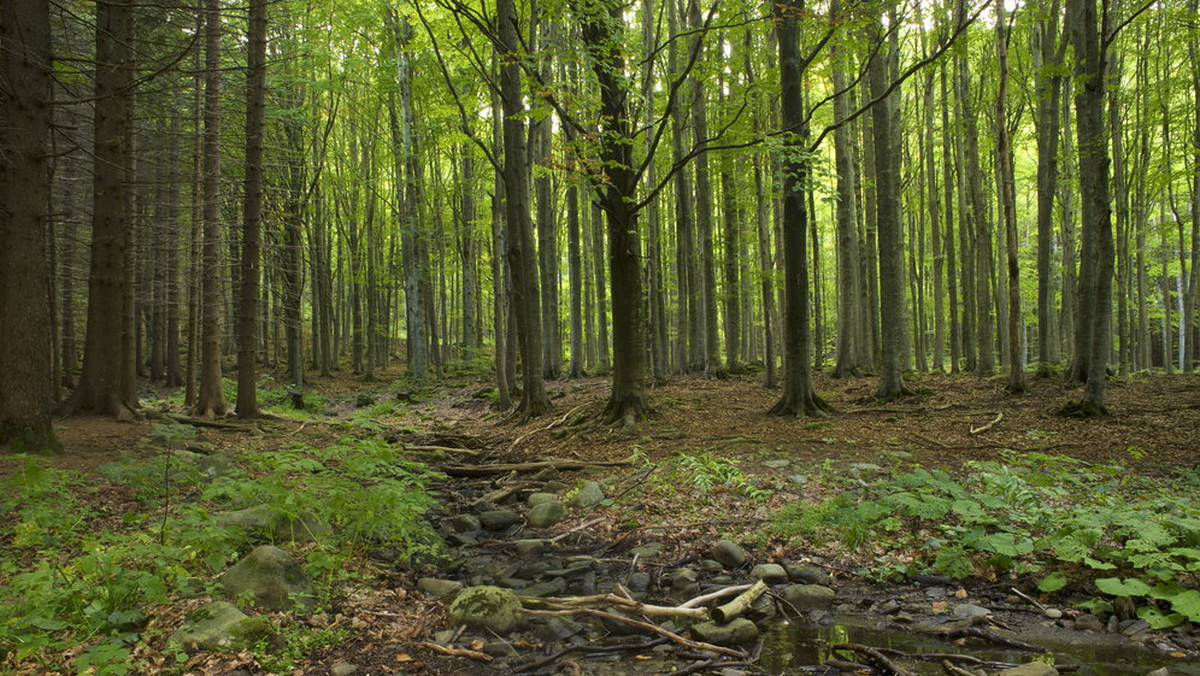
[[210, 400], [890, 231], [850, 291], [799, 397], [522, 261], [101, 385], [1096, 276], [26, 370], [1047, 56], [1008, 207], [256, 77]]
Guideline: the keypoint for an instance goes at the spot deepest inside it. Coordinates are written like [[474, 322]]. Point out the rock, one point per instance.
[[1053, 613], [487, 608], [776, 464], [499, 649], [798, 479], [498, 519], [536, 499], [554, 587], [970, 610], [555, 487], [439, 588], [546, 514], [1031, 669], [210, 627], [272, 577], [805, 597], [1161, 671], [728, 554], [589, 495], [770, 573], [545, 475], [739, 631], [638, 582], [259, 518], [646, 551], [465, 523], [1088, 623], [808, 574], [343, 669], [1135, 628], [559, 629], [529, 548]]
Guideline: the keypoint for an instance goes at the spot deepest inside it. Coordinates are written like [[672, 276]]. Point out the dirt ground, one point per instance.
[[950, 420]]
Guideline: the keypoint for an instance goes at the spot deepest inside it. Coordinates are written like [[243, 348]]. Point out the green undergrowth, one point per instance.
[[699, 476], [85, 562], [1087, 530]]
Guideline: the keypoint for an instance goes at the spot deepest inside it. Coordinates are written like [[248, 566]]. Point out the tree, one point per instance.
[[1008, 207], [104, 385], [799, 397], [256, 77], [1095, 276], [210, 399], [26, 378], [522, 261]]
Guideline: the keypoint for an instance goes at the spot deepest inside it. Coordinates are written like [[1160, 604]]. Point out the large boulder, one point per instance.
[[271, 577], [488, 608], [220, 626]]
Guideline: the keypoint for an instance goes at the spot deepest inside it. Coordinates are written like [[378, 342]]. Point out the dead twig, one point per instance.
[[645, 626], [626, 604], [551, 426], [456, 652], [981, 430], [949, 668], [1029, 598], [590, 650], [876, 658], [504, 468], [585, 524]]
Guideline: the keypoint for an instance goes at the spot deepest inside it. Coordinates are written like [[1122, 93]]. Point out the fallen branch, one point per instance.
[[628, 605], [645, 626], [503, 468], [712, 596], [585, 524], [551, 426], [457, 652], [1029, 598], [441, 449], [949, 668], [980, 430], [739, 605], [875, 657]]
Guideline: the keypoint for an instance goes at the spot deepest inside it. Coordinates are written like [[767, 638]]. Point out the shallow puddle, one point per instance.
[[795, 648]]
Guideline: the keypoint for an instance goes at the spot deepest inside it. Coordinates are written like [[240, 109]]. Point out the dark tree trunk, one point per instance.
[[1008, 207], [101, 385], [26, 370], [1048, 57], [256, 81]]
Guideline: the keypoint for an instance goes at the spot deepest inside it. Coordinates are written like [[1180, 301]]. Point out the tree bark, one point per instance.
[[26, 369], [256, 82], [1008, 207]]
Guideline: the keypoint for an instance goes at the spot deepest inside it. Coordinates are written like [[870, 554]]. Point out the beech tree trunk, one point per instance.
[[256, 81]]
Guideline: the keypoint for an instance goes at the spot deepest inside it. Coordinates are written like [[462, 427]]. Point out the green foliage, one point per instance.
[[705, 473], [1062, 517]]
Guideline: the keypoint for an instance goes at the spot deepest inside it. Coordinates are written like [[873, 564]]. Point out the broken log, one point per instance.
[[739, 605]]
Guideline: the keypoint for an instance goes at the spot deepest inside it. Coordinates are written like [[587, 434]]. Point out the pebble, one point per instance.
[[970, 610], [343, 669], [1053, 613], [498, 519], [769, 572]]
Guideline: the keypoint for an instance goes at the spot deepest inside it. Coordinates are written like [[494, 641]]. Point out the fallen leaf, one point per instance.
[[961, 593], [477, 644], [940, 607], [404, 657]]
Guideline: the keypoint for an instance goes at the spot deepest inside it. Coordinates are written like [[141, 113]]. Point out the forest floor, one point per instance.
[[951, 421]]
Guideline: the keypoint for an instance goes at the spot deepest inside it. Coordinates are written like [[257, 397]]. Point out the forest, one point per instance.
[[670, 336], [549, 189]]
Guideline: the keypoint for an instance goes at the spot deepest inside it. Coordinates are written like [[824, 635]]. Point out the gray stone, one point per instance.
[[487, 608], [546, 514], [1053, 613], [439, 588], [805, 597], [530, 548], [798, 479], [589, 495], [739, 631], [259, 518], [1135, 628], [210, 627], [343, 669], [272, 578], [710, 566], [776, 464], [498, 519], [1089, 623], [559, 629], [970, 610], [536, 499], [1031, 669], [555, 487], [728, 554], [638, 582], [770, 573], [499, 649], [552, 587], [808, 574], [465, 523], [547, 474], [646, 551]]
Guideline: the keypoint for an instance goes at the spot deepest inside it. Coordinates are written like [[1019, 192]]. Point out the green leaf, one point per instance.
[[1158, 620], [1053, 582], [969, 510], [1114, 586], [1098, 565]]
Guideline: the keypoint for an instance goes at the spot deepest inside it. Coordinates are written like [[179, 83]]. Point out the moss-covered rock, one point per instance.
[[490, 608]]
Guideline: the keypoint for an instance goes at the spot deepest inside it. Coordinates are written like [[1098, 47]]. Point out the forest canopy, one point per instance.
[[541, 189]]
